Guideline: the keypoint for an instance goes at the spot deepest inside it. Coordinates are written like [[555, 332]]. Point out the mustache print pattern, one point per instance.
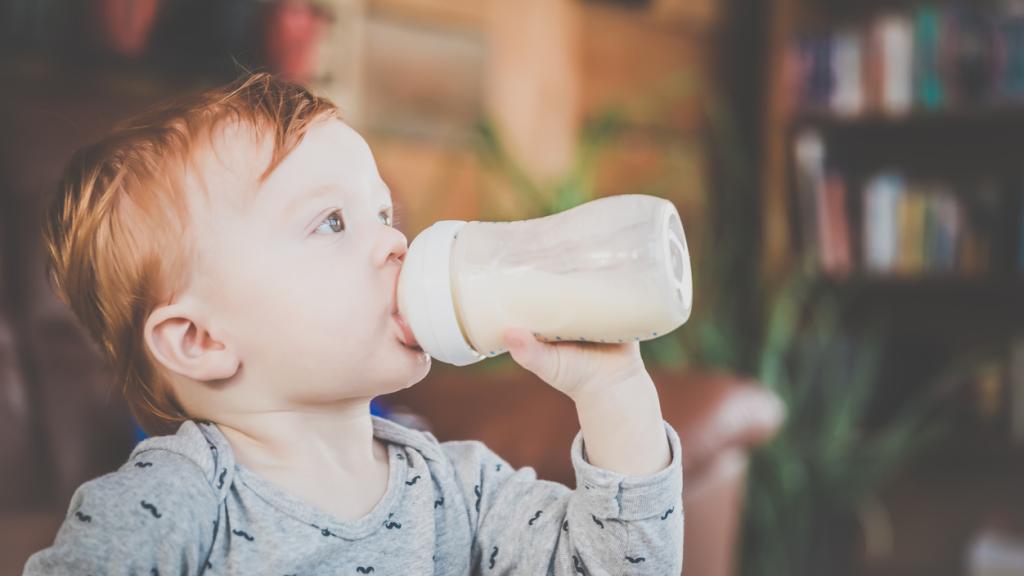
[[152, 509], [413, 522], [325, 532]]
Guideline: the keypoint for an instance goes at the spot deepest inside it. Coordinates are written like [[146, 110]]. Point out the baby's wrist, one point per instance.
[[619, 386], [622, 426]]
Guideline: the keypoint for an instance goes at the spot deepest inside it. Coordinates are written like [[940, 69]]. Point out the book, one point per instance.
[[928, 83], [894, 36], [947, 216], [969, 56], [1020, 239], [1009, 42], [930, 57], [1016, 389], [881, 201], [838, 226], [809, 155], [825, 227], [847, 98], [911, 231], [929, 244]]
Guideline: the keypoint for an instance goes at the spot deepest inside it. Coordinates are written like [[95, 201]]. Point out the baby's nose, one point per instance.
[[400, 250], [394, 247]]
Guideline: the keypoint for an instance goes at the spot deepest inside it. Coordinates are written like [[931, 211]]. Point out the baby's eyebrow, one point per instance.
[[322, 190], [305, 196]]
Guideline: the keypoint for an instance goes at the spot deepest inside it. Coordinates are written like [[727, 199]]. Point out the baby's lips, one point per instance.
[[408, 338]]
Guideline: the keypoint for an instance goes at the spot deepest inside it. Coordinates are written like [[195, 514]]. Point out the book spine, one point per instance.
[[928, 82], [848, 94], [896, 40], [809, 154], [1016, 390], [881, 206]]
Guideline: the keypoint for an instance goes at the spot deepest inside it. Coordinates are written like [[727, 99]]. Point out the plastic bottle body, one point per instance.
[[614, 269]]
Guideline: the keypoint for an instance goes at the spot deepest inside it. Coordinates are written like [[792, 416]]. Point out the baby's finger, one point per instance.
[[536, 356]]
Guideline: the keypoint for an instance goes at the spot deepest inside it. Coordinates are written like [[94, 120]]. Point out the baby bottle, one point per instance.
[[615, 269]]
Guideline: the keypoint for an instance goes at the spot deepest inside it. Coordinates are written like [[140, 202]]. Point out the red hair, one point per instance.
[[117, 230]]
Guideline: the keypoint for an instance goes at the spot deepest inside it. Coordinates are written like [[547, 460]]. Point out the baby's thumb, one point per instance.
[[536, 356]]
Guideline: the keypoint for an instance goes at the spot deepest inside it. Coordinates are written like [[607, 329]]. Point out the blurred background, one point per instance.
[[850, 388]]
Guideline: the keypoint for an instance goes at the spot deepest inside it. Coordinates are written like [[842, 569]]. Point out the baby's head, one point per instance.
[[233, 254]]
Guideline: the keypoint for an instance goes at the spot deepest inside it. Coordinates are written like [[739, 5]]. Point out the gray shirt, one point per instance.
[[181, 504]]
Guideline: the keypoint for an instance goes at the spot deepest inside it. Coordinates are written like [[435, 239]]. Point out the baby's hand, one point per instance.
[[575, 368]]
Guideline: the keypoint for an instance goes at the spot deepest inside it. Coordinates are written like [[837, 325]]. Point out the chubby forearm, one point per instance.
[[622, 426]]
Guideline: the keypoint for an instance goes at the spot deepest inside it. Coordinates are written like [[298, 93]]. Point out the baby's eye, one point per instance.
[[387, 218], [333, 224]]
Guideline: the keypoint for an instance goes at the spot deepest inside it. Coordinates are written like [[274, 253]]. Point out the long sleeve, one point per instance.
[[611, 524], [154, 516]]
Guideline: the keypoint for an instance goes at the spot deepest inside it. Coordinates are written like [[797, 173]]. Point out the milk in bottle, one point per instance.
[[611, 270]]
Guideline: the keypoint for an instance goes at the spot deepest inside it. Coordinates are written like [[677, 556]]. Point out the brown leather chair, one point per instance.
[[62, 422]]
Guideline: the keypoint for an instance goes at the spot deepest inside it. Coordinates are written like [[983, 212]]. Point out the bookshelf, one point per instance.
[[914, 105], [893, 159]]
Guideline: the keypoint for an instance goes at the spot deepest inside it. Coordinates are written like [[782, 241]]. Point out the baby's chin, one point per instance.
[[368, 387], [390, 367], [411, 367]]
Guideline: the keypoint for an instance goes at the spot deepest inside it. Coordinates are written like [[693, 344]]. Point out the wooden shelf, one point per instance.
[[998, 115], [929, 281], [979, 141], [931, 321]]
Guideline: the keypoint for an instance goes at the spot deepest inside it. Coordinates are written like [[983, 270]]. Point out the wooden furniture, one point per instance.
[[932, 319]]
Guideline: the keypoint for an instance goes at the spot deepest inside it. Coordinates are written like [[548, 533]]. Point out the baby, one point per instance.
[[235, 257]]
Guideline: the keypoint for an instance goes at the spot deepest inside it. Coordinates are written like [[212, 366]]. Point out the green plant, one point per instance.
[[598, 135], [572, 189], [808, 487], [576, 187]]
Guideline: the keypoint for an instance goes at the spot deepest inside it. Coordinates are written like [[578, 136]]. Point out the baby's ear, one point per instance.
[[178, 338]]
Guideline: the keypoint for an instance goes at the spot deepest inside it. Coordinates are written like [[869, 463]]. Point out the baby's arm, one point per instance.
[[611, 524], [155, 515]]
